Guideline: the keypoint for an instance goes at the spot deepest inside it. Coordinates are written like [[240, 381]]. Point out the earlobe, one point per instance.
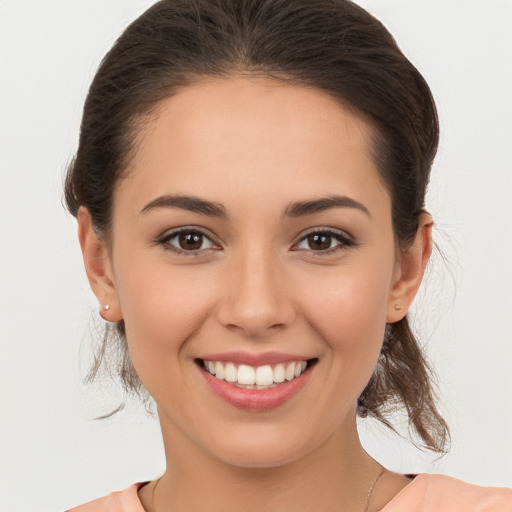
[[410, 270], [98, 267]]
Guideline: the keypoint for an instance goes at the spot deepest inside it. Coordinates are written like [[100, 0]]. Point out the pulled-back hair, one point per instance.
[[333, 46]]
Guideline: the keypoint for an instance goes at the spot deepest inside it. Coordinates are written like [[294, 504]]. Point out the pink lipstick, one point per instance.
[[256, 381]]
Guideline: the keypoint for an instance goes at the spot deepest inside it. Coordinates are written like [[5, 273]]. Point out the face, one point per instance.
[[252, 242]]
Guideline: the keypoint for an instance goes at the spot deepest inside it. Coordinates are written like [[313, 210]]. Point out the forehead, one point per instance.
[[237, 134], [256, 103]]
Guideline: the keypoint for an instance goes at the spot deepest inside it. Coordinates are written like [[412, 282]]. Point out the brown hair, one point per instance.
[[334, 46]]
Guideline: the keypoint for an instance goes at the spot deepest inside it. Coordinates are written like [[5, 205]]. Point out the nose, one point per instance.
[[256, 299]]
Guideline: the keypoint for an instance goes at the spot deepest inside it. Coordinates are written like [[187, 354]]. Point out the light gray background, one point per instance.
[[52, 455]]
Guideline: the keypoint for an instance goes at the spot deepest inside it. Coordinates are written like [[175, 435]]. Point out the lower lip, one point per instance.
[[256, 399]]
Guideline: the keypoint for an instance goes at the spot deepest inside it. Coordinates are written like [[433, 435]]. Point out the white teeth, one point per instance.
[[279, 373], [264, 375], [246, 374], [230, 373], [290, 371], [261, 377], [219, 371]]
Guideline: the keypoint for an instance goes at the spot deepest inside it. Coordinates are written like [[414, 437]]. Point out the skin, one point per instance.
[[255, 146]]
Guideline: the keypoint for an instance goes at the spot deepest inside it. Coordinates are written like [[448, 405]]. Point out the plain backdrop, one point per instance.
[[52, 453]]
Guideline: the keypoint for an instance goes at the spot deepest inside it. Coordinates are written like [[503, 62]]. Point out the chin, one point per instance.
[[264, 447], [260, 458]]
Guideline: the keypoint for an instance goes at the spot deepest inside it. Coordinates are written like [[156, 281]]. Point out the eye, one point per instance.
[[187, 241], [325, 240]]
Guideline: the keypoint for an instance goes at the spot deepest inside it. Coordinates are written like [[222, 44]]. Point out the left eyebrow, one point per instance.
[[190, 203], [322, 204]]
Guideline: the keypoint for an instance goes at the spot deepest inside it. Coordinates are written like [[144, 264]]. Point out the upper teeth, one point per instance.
[[255, 376]]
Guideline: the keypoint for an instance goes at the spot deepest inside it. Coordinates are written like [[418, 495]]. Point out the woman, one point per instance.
[[249, 188]]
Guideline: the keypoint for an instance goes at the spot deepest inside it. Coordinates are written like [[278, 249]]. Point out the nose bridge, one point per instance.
[[256, 298]]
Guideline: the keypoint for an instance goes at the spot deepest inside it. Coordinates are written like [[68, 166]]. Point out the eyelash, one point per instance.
[[164, 241], [344, 241]]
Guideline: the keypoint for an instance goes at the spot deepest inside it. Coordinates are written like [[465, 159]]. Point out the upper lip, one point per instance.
[[252, 359]]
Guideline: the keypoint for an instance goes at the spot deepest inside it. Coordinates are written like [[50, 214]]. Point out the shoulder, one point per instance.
[[439, 493], [122, 501]]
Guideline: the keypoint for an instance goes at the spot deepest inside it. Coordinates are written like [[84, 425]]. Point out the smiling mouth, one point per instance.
[[256, 377]]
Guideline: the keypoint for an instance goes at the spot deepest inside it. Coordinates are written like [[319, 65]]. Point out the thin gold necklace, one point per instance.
[[370, 490], [368, 495]]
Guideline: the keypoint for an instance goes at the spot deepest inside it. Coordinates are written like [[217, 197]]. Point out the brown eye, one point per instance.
[[190, 241], [324, 241], [319, 241], [187, 241]]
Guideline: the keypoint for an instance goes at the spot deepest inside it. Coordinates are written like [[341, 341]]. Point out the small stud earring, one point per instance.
[[106, 307], [398, 307]]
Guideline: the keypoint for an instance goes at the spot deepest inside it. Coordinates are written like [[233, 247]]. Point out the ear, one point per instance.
[[409, 271], [98, 267]]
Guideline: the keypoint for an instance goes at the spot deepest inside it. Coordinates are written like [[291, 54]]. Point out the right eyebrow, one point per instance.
[[190, 203], [322, 204]]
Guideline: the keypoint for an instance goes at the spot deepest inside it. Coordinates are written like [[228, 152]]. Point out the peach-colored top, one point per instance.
[[426, 493]]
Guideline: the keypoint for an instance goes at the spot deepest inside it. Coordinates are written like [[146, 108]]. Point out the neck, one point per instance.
[[335, 476]]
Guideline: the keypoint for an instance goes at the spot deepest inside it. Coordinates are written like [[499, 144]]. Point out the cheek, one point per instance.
[[349, 312], [350, 303], [163, 307]]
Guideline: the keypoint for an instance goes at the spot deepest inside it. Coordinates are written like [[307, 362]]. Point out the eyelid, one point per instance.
[[172, 233], [345, 240]]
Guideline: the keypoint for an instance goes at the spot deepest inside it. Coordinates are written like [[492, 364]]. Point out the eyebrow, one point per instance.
[[212, 209], [193, 204], [322, 204]]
